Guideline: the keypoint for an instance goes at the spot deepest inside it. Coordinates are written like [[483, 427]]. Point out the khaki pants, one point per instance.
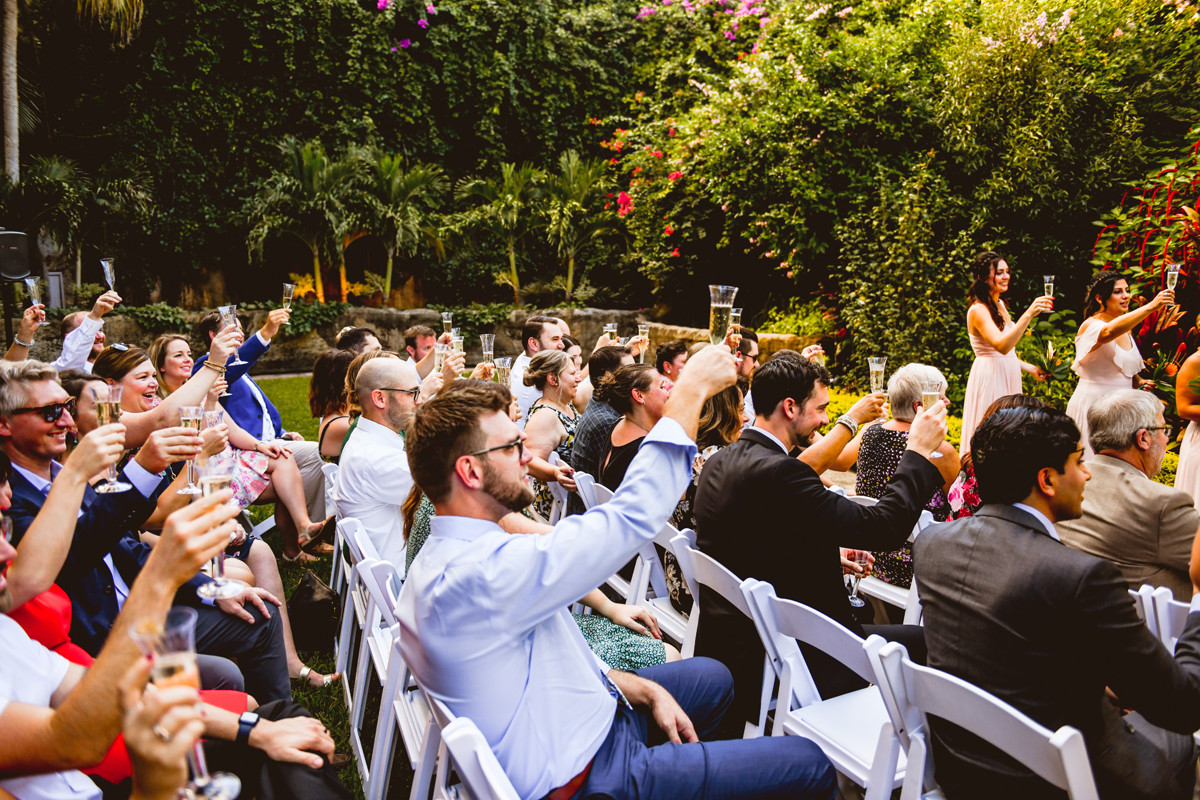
[[308, 459]]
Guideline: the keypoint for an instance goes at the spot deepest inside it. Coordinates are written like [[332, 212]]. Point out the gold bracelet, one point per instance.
[[216, 367]]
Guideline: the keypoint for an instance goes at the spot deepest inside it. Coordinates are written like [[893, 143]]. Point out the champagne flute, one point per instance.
[[720, 309], [610, 330], [931, 393], [876, 365], [289, 289], [439, 356], [644, 332], [860, 560], [229, 317], [447, 321], [503, 371], [173, 645], [1172, 276], [35, 294], [1048, 280], [456, 340], [488, 342], [214, 418], [735, 316], [190, 417], [110, 275], [108, 411], [216, 474]]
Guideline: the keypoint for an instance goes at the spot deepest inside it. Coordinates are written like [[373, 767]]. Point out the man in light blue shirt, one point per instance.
[[485, 626]]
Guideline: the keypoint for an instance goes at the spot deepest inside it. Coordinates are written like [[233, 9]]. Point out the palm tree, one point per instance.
[[307, 199], [398, 218], [575, 208], [506, 209]]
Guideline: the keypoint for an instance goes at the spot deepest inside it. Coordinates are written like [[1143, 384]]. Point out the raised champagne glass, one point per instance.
[[173, 646], [644, 332], [447, 321], [439, 356], [503, 371], [456, 340], [1172, 276], [108, 411], [876, 365], [35, 293], [216, 474], [861, 560], [735, 316], [931, 393], [110, 274], [720, 309], [214, 418], [229, 317], [488, 342], [610, 330], [190, 417], [1048, 281], [289, 289]]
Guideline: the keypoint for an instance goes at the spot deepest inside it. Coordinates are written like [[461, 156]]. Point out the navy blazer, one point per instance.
[[108, 524], [241, 405]]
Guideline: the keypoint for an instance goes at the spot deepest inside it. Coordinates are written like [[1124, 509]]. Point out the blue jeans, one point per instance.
[[637, 761]]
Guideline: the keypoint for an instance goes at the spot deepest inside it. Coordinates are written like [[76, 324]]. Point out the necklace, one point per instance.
[[634, 424]]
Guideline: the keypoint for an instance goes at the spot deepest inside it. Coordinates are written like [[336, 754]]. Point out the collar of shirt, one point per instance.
[[268, 427], [772, 437], [39, 483], [466, 528], [1040, 517], [372, 428]]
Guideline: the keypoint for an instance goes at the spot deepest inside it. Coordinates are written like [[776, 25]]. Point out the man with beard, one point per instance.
[[373, 478], [486, 628]]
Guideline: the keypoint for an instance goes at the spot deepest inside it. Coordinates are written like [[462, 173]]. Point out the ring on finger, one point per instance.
[[162, 733]]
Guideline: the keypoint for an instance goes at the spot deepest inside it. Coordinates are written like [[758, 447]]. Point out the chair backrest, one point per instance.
[[586, 485], [1059, 757], [913, 613], [1170, 616], [602, 492], [474, 761], [701, 570], [330, 473], [379, 578], [355, 536], [1143, 603], [556, 490]]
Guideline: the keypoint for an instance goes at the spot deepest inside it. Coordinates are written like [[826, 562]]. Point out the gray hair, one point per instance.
[[1115, 419], [905, 387], [15, 381]]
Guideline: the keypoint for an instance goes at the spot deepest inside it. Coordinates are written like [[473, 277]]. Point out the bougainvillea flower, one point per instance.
[[422, 24]]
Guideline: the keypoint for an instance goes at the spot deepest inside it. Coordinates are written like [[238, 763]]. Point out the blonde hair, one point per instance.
[[545, 364]]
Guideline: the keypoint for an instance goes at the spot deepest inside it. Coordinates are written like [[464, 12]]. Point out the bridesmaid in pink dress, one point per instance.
[[1106, 357], [994, 336]]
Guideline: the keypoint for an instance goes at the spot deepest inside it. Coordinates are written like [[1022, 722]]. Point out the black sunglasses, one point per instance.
[[519, 444], [52, 412]]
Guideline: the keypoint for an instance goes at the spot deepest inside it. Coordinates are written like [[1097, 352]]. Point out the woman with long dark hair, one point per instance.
[[994, 336], [1106, 356]]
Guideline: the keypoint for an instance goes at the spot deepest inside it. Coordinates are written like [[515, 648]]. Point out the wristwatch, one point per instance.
[[246, 723]]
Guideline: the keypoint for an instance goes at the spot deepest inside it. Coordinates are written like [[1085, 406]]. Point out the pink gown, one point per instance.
[[993, 375], [1106, 369]]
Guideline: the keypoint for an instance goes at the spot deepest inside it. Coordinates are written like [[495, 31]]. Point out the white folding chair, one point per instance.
[[404, 709], [701, 570], [1143, 603], [1059, 757], [586, 485], [648, 575], [375, 651], [559, 507], [1170, 616], [873, 587], [475, 762], [619, 585], [355, 603], [857, 730]]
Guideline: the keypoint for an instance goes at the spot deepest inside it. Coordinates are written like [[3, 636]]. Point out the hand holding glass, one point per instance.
[[289, 289], [110, 273], [862, 559], [228, 319], [931, 395], [720, 309], [108, 411], [190, 417], [216, 474]]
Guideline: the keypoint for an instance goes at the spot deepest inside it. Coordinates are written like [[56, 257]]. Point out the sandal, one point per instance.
[[310, 544], [300, 558], [306, 671]]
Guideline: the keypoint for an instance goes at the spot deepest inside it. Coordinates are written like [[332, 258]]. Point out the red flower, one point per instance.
[[624, 204], [671, 132], [636, 170], [657, 153], [675, 176], [668, 231], [612, 161], [675, 253], [842, 333]]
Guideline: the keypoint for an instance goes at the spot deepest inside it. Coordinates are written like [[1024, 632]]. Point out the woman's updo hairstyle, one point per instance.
[[982, 269], [117, 361], [617, 387], [1102, 284], [545, 364]]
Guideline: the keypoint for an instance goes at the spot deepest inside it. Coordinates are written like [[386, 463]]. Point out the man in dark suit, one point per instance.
[[766, 515], [106, 554], [1047, 628]]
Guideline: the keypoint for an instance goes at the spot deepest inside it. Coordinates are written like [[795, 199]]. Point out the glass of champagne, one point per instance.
[[439, 356], [488, 342], [35, 293], [1172, 276], [108, 411], [876, 365], [503, 371], [720, 309], [173, 645], [456, 341], [214, 418], [229, 317], [1048, 280], [861, 560], [735, 316], [447, 321], [610, 330], [931, 394], [289, 289], [110, 275], [190, 417], [216, 473], [644, 332]]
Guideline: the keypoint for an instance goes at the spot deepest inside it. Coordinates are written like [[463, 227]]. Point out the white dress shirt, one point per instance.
[[526, 395], [372, 483], [30, 674], [773, 438], [77, 346], [486, 630]]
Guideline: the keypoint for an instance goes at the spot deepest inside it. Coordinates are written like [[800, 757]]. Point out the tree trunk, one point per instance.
[[387, 275], [78, 266], [8, 76], [318, 286], [342, 275], [512, 266], [570, 275]]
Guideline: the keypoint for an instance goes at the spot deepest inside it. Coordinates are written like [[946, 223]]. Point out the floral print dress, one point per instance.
[[543, 500]]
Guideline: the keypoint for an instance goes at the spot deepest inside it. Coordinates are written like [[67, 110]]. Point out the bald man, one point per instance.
[[373, 478]]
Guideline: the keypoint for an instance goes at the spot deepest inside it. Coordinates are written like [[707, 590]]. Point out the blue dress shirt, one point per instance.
[[486, 630]]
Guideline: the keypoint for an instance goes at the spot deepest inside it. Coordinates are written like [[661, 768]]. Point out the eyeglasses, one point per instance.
[[1163, 428], [519, 444], [413, 392], [52, 412]]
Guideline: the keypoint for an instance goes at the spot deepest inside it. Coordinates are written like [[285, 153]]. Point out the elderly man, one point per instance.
[[373, 478], [1142, 526], [540, 333]]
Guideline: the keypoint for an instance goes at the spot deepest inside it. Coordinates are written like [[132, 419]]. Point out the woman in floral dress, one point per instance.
[[551, 424]]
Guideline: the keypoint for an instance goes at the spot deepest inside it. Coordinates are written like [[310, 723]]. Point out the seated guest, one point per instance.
[[551, 424], [559, 720], [373, 478], [358, 340], [249, 406], [539, 333], [766, 515], [583, 393], [1142, 526], [670, 358], [82, 338], [328, 403], [60, 717], [596, 423], [1050, 629], [419, 341], [963, 495], [879, 455], [747, 348], [639, 394], [106, 554]]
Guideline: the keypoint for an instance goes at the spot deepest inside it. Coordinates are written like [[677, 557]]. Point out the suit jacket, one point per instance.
[[1046, 628], [1142, 526], [766, 515], [240, 404], [107, 525]]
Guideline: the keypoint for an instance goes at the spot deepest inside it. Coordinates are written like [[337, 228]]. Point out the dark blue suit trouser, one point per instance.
[[636, 760]]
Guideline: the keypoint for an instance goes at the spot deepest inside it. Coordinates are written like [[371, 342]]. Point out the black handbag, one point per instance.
[[312, 610]]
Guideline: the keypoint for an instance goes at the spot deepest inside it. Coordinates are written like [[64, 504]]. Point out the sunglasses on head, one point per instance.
[[51, 412]]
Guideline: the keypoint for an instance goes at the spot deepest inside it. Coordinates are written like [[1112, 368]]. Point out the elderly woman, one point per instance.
[[551, 424], [639, 394], [879, 457]]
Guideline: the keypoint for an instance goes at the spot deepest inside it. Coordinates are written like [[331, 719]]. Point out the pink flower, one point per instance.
[[404, 43], [675, 253], [675, 176], [422, 24], [624, 204], [667, 231], [382, 4], [429, 9]]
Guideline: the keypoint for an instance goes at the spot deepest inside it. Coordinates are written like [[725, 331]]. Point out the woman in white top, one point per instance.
[[996, 371], [1106, 357]]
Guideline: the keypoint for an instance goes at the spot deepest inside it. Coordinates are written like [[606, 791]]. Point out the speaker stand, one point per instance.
[[7, 292]]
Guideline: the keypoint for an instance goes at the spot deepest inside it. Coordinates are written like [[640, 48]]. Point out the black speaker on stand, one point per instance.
[[14, 266]]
